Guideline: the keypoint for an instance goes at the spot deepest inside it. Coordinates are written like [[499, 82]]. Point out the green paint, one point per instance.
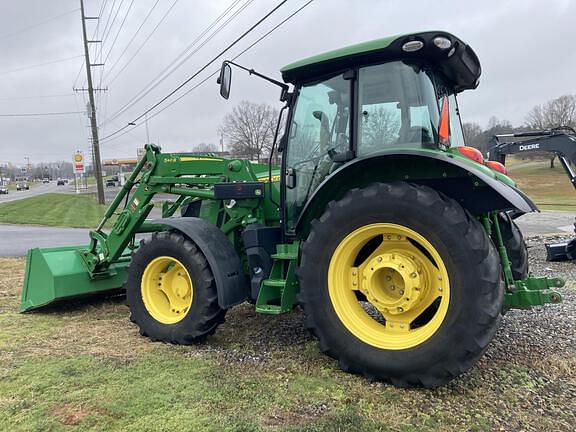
[[58, 273], [533, 291], [361, 48], [278, 292], [524, 293]]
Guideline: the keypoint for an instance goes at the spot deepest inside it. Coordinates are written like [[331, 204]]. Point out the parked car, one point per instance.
[[60, 182], [3, 190], [45, 180], [110, 183], [22, 186]]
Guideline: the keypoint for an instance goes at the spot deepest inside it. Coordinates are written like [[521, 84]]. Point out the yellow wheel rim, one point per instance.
[[167, 290], [389, 286]]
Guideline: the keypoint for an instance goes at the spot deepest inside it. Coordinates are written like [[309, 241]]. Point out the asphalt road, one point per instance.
[[15, 240], [33, 191]]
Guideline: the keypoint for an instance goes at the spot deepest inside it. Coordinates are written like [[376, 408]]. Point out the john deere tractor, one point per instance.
[[395, 238]]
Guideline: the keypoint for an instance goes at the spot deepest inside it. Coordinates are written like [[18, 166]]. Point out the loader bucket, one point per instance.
[[59, 273]]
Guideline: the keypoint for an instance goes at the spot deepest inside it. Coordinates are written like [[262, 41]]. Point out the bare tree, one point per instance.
[[379, 125], [250, 129], [205, 148], [554, 113], [474, 136]]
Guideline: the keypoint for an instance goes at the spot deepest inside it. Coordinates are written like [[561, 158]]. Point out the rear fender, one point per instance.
[[474, 186], [231, 282]]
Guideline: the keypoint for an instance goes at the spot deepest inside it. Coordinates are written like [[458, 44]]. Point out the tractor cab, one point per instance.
[[356, 102], [384, 95]]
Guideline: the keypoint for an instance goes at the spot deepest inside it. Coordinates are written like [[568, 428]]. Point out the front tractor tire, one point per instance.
[[399, 283], [171, 291]]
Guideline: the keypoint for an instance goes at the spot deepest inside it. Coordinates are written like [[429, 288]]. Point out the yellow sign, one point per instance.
[[78, 157]]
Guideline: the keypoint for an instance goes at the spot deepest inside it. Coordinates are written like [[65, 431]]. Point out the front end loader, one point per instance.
[[393, 236]]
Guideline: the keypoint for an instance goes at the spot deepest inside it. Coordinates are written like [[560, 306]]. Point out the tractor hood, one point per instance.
[[456, 61]]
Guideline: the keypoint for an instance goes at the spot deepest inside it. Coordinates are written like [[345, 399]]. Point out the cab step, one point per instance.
[[278, 292]]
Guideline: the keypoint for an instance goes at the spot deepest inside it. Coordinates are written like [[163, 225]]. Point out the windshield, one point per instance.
[[397, 108]]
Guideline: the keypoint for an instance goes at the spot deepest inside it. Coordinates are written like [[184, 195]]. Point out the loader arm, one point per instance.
[[233, 194], [556, 141], [180, 174]]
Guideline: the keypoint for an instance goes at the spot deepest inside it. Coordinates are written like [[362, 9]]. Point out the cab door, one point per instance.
[[319, 133]]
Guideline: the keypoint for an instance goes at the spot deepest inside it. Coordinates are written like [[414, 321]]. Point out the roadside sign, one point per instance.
[[79, 167]]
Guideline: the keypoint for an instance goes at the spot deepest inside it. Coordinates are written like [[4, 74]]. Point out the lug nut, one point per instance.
[[392, 287], [388, 278], [400, 309], [379, 259], [413, 275], [401, 292]]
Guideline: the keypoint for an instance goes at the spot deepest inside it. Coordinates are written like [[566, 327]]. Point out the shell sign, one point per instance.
[[79, 167]]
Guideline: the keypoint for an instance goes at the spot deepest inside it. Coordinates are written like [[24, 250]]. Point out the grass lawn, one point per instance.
[[84, 367], [67, 210], [549, 188]]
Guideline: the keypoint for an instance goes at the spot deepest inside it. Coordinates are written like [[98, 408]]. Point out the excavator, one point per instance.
[[560, 141]]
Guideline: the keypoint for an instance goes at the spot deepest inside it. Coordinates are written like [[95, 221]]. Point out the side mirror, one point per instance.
[[225, 80]]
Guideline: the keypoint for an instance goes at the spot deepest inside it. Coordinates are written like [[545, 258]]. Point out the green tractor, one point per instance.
[[396, 239]]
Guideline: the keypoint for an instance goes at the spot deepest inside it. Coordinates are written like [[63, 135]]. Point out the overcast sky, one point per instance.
[[526, 48]]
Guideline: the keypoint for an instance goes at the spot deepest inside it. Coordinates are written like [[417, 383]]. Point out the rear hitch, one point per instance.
[[533, 291]]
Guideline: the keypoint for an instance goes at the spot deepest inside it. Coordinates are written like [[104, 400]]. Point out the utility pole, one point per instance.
[[27, 166], [93, 124], [147, 133]]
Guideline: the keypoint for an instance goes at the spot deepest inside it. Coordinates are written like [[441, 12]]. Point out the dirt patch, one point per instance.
[[71, 414], [298, 417]]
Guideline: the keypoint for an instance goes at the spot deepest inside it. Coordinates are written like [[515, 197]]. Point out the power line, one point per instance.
[[134, 36], [145, 41], [166, 72], [40, 23], [187, 80], [39, 65], [38, 96], [41, 114], [114, 41], [119, 31], [265, 35], [110, 23]]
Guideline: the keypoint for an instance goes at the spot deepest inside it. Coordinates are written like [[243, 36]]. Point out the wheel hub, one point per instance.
[[392, 282], [167, 289]]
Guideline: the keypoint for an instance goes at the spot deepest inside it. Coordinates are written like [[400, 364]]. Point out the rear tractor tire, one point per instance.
[[399, 283], [171, 291]]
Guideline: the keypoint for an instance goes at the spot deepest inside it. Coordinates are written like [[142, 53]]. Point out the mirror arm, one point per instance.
[[284, 87]]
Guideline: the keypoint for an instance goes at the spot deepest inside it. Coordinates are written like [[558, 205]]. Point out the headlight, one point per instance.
[[442, 42], [412, 46]]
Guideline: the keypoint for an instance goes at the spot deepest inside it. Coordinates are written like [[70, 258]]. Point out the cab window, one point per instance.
[[397, 108]]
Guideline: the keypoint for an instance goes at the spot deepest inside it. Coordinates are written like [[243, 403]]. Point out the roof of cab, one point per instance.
[[459, 63]]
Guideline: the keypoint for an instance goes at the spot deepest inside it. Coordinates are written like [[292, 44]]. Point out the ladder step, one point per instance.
[[280, 283], [284, 256], [269, 309]]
